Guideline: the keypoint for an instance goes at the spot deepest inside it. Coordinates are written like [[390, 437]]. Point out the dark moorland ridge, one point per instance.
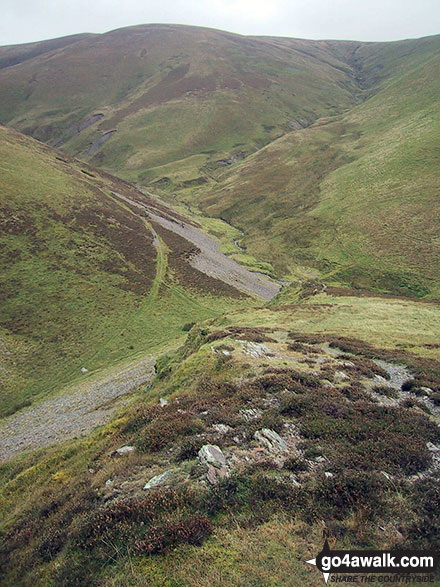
[[219, 317]]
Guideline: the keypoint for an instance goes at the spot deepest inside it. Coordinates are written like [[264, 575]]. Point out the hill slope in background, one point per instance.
[[322, 152], [352, 198], [87, 279], [171, 92]]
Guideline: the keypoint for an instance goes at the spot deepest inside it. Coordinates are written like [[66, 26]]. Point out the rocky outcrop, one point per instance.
[[271, 440], [222, 428], [213, 458], [159, 480], [123, 450], [211, 454]]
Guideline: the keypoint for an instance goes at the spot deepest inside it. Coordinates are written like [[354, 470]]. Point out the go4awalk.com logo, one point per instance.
[[376, 566]]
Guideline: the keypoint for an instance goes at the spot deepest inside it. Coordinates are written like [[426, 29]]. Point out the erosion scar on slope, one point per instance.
[[210, 260], [71, 414]]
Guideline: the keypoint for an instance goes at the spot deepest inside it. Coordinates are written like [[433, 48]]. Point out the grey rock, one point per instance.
[[84, 370], [432, 447], [211, 454], [222, 428], [257, 350], [158, 480], [271, 440], [348, 364], [214, 475], [123, 450], [163, 402], [427, 390], [251, 414], [380, 379]]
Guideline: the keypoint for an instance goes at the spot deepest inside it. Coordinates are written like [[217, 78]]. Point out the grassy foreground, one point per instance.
[[74, 514]]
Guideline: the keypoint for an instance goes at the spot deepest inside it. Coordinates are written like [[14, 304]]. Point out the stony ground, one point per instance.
[[71, 414], [209, 259]]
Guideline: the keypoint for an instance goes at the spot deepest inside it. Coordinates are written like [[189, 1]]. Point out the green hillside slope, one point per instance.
[[355, 458], [353, 198], [270, 421], [85, 282], [171, 92]]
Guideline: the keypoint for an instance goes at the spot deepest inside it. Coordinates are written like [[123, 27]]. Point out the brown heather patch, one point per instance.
[[357, 438], [368, 293], [252, 334], [426, 371], [126, 235], [177, 84], [16, 222]]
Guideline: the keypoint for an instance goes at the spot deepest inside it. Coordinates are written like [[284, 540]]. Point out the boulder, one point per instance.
[[222, 428], [210, 454], [271, 439], [250, 414], [158, 480], [426, 390], [257, 350], [212, 457], [214, 475], [432, 447], [124, 450], [163, 402]]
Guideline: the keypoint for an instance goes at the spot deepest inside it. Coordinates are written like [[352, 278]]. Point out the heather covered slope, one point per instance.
[[353, 198], [14, 54], [151, 83], [322, 403], [86, 280], [326, 411], [322, 152]]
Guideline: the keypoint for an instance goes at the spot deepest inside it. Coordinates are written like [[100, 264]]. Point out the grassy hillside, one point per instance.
[[349, 397], [151, 83], [14, 54], [85, 281], [353, 198], [323, 152], [314, 162]]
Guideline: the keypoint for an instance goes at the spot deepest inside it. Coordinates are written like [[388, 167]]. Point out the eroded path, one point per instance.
[[73, 413]]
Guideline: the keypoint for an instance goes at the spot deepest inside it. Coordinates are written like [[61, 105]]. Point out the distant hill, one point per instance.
[[323, 152], [352, 198], [171, 92]]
